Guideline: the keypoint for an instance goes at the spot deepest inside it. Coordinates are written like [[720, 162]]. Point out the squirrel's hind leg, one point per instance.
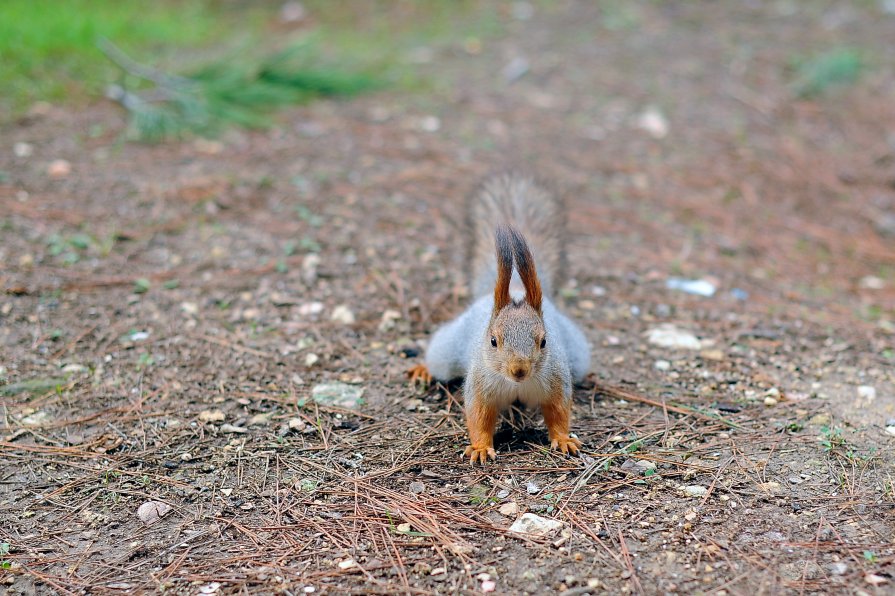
[[557, 416], [419, 375]]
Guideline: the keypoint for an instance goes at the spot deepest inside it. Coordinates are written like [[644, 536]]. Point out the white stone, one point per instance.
[[695, 490], [669, 336], [536, 525], [342, 314], [509, 509], [653, 122], [151, 511]]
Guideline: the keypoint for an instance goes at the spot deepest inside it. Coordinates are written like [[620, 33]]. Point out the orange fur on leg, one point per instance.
[[419, 374], [557, 413], [480, 420]]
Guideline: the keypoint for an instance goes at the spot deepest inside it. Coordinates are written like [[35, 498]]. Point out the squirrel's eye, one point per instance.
[[543, 343], [493, 341]]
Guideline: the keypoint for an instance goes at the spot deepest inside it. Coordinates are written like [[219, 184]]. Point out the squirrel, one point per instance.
[[512, 343]]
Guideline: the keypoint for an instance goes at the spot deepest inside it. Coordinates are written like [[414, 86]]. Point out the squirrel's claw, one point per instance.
[[419, 375], [480, 454], [568, 445]]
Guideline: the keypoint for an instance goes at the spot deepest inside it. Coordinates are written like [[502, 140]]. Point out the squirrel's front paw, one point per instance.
[[480, 453], [419, 375], [566, 444]]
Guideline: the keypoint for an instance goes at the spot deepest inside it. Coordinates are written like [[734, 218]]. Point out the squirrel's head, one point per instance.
[[516, 342]]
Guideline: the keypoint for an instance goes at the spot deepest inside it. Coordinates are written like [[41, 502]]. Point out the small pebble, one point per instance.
[[342, 314], [770, 401], [510, 509], [59, 168], [151, 511], [695, 490]]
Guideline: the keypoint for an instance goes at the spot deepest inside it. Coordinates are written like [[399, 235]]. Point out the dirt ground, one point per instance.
[[165, 320]]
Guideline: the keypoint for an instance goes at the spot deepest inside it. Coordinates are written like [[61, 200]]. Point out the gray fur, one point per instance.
[[517, 199], [456, 346]]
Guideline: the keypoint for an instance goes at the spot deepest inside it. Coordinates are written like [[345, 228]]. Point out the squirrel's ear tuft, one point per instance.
[[525, 265], [504, 244]]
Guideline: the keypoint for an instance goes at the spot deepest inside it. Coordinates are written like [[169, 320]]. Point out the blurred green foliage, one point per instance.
[[836, 67], [48, 48]]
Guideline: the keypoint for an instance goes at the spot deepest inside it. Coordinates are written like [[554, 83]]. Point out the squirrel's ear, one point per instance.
[[504, 245], [525, 265]]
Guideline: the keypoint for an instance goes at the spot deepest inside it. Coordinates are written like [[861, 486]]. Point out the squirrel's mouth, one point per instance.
[[518, 376]]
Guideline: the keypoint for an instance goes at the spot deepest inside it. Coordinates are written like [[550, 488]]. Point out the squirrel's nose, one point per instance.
[[519, 372]]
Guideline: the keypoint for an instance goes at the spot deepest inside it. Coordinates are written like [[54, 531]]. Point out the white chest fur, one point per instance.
[[502, 392]]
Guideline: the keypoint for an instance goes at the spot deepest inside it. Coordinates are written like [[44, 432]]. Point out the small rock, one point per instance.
[[309, 267], [669, 336], [22, 149], [662, 365], [532, 487], [388, 321], [417, 488], [151, 511], [698, 287], [211, 588], [517, 68], [770, 487], [59, 168], [867, 392], [260, 419], [770, 401], [871, 282], [340, 395], [297, 424], [430, 123], [530, 523], [342, 314], [311, 359], [229, 428], [640, 466], [795, 480], [695, 490], [310, 309], [653, 122], [739, 294], [820, 420], [838, 568], [885, 224], [716, 355], [211, 416], [510, 509], [73, 369], [190, 308], [404, 528], [36, 419], [438, 571], [347, 564], [587, 304], [293, 12], [489, 585], [890, 430]]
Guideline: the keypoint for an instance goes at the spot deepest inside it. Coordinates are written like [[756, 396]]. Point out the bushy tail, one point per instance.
[[519, 201]]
